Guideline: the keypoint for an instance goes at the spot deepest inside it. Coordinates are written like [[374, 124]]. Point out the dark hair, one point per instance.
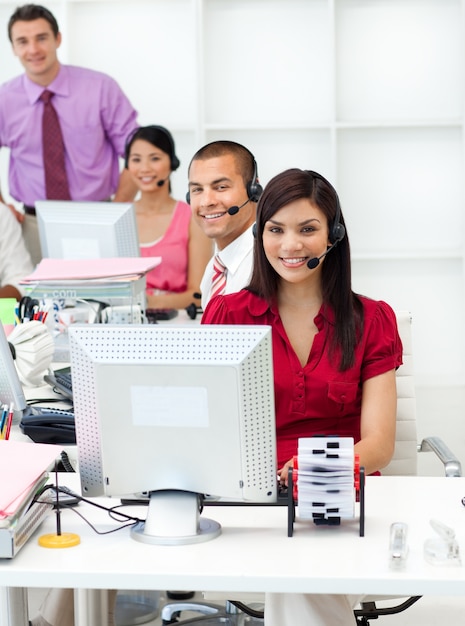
[[245, 160], [287, 187], [30, 12], [158, 136]]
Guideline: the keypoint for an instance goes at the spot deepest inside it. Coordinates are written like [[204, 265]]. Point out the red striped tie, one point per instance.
[[56, 181], [219, 278]]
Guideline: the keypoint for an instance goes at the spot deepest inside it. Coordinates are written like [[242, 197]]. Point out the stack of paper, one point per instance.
[[24, 464], [25, 467], [326, 478], [59, 270], [102, 279]]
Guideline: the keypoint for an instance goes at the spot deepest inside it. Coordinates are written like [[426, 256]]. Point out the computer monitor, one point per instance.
[[87, 230], [178, 412], [11, 390]]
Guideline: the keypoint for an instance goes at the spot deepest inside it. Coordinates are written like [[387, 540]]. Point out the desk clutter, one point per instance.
[[32, 348], [101, 290], [20, 515], [41, 423]]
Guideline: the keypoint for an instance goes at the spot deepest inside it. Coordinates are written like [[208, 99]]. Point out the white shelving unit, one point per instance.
[[368, 92]]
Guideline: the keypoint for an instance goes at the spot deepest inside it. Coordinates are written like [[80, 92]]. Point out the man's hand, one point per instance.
[[19, 215]]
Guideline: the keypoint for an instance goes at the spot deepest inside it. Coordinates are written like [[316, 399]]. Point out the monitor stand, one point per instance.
[[173, 518]]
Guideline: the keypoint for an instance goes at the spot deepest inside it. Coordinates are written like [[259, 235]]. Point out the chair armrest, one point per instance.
[[172, 609], [452, 466]]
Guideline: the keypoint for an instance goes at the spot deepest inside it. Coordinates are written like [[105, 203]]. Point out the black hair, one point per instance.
[[158, 136], [245, 160], [30, 12]]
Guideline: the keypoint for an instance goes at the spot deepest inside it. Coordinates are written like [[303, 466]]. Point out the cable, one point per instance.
[[66, 462], [111, 511], [248, 610], [40, 400]]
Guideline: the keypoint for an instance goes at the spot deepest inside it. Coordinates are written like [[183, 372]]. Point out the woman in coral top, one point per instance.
[[165, 225], [334, 352]]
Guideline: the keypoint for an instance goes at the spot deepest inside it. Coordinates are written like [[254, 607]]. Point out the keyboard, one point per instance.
[[61, 381]]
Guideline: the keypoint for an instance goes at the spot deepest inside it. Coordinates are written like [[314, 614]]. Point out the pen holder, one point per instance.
[[325, 482]]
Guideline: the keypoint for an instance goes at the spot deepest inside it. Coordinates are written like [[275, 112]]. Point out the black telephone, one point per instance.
[[48, 425]]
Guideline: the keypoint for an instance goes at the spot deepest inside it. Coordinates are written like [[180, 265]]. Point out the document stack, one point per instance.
[[118, 281], [80, 291], [326, 491], [26, 465]]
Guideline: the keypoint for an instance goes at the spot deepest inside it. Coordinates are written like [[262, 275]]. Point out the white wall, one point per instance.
[[368, 92]]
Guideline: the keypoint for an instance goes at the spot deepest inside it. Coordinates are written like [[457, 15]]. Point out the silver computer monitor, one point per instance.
[[11, 390], [87, 230], [175, 411]]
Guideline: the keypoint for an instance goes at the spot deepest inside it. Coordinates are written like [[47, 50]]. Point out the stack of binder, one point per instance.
[[26, 465], [107, 280]]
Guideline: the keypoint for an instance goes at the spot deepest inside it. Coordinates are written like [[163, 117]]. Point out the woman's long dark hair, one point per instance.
[[283, 189]]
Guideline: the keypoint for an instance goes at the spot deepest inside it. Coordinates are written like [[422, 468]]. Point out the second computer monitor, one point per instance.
[[87, 230], [177, 412]]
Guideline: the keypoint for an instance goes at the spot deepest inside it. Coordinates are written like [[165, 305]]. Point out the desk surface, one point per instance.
[[253, 553]]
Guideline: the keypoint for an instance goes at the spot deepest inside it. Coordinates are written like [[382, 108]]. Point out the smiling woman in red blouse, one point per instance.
[[334, 352]]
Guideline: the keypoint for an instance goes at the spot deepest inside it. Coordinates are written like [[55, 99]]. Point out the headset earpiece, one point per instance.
[[337, 231], [254, 189], [254, 230], [175, 162], [188, 197]]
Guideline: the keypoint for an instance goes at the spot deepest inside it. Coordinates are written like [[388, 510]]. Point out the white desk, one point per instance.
[[253, 553]]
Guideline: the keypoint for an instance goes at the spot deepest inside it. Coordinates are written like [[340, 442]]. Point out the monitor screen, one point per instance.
[[176, 411], [87, 230]]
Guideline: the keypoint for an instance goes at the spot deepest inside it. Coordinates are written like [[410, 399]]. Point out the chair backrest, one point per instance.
[[404, 461]]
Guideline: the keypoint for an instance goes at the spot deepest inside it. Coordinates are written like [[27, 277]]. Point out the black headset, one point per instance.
[[253, 188], [337, 232], [174, 161]]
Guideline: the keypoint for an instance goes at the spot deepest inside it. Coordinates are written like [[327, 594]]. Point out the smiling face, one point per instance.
[[148, 165], [295, 234], [35, 45], [215, 185]]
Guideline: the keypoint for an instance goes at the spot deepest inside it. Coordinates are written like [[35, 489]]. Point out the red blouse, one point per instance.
[[316, 399]]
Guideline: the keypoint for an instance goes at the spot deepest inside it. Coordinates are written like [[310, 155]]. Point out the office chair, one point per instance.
[[403, 463]]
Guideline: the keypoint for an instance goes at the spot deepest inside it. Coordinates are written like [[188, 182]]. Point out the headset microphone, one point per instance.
[[315, 262], [160, 183], [235, 209]]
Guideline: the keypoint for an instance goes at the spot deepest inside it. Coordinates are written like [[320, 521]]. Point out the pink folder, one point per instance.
[[88, 269], [21, 465]]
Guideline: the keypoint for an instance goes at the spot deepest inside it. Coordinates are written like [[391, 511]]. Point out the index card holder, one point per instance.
[[325, 482]]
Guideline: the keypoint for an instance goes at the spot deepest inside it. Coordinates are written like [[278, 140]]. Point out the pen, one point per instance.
[[10, 420], [2, 422]]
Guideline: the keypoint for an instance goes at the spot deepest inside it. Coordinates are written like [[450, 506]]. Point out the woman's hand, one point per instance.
[[283, 472]]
